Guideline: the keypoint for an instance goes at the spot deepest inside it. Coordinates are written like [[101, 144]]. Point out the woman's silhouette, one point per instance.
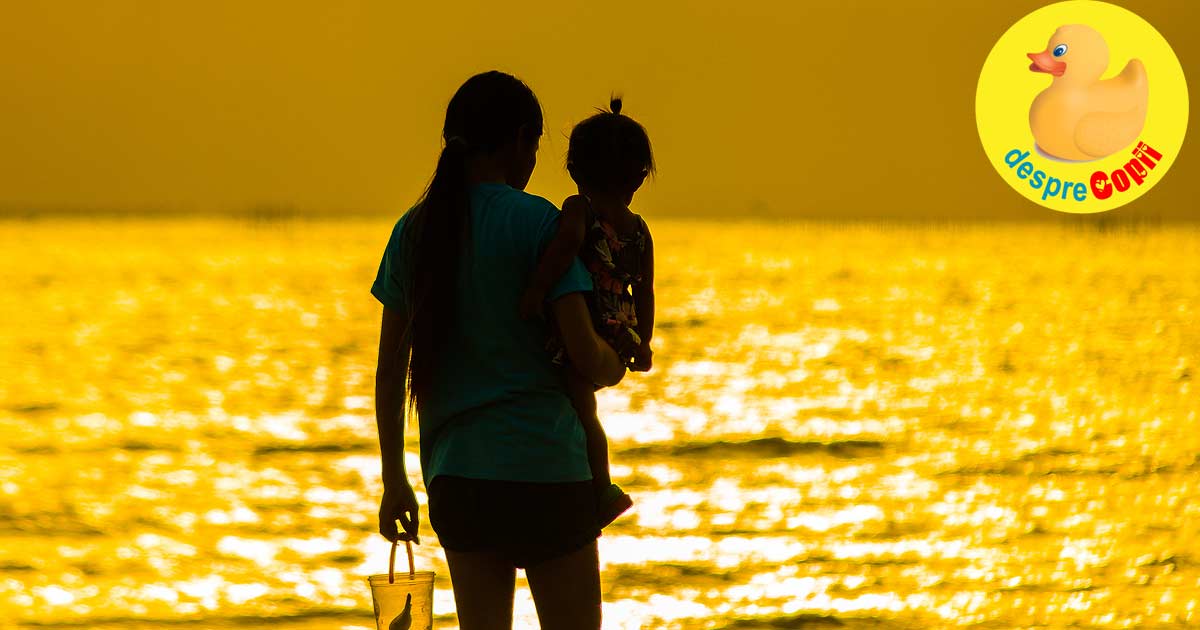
[[503, 453]]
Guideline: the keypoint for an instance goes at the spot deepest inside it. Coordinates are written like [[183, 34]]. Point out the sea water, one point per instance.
[[847, 424]]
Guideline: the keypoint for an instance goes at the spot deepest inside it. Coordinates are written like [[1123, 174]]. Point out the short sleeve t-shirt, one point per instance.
[[499, 408]]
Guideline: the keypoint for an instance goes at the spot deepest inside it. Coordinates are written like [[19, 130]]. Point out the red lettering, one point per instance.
[[1133, 172], [1100, 187], [1146, 154], [1120, 180], [1136, 172]]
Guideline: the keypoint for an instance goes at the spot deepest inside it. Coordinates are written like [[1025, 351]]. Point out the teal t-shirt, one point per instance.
[[499, 408]]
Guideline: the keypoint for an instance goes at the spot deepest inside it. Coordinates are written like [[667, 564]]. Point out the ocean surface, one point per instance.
[[848, 425]]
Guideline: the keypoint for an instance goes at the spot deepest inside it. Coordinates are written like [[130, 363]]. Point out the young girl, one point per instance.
[[608, 157]]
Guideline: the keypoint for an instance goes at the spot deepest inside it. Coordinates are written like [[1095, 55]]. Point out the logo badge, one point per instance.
[[1082, 106]]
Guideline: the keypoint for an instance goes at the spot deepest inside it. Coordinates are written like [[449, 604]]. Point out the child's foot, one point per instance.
[[611, 503]]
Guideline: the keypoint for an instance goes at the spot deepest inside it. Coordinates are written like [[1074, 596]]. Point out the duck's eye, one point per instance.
[[1060, 50]]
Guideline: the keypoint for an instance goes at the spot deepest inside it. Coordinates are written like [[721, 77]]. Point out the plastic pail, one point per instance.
[[404, 600]]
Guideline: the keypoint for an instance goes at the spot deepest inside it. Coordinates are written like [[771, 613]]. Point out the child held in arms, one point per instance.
[[608, 157]]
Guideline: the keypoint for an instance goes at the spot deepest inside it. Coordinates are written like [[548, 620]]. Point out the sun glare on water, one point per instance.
[[846, 424]]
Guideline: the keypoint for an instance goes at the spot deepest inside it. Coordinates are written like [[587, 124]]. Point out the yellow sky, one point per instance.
[[851, 108]]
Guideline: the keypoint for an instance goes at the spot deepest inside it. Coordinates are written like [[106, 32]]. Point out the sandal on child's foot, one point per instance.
[[611, 503]]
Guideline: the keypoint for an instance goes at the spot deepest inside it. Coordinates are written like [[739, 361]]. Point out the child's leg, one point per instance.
[[583, 397]]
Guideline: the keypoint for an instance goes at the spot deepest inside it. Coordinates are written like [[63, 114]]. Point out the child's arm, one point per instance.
[[643, 298], [558, 255]]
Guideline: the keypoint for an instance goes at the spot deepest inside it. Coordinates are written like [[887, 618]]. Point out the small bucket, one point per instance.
[[403, 601]]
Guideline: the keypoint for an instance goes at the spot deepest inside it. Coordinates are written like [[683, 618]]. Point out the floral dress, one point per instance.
[[615, 263]]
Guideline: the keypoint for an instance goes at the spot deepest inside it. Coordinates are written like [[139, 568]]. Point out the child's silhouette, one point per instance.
[[609, 157]]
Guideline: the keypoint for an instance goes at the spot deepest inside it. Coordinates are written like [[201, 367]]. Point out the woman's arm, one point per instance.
[[558, 255], [590, 354], [390, 395], [398, 501]]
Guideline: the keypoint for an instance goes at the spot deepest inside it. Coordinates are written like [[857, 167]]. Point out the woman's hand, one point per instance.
[[399, 504], [591, 355]]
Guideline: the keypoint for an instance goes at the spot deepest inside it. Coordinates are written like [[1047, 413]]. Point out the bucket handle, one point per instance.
[[392, 561]]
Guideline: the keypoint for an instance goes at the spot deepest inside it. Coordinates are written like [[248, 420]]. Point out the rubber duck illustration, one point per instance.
[[403, 621], [1079, 117]]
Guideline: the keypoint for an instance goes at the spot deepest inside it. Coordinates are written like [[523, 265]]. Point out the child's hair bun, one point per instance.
[[614, 104]]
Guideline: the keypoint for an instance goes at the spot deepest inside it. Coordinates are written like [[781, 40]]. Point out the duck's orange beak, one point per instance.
[[1045, 62]]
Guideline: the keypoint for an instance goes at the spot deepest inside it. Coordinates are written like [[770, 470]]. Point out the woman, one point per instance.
[[503, 453]]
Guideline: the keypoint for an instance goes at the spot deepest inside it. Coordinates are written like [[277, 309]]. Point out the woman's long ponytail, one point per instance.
[[435, 238]]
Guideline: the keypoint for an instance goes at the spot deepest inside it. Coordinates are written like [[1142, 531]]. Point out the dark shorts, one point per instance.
[[527, 522]]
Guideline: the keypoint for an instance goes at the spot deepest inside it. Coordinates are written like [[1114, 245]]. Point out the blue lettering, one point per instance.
[[1053, 185], [1080, 192], [1038, 178]]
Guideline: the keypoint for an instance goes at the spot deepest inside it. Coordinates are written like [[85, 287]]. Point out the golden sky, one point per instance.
[[799, 108]]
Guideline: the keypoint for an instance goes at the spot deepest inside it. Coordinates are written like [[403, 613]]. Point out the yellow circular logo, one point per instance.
[[1082, 106]]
